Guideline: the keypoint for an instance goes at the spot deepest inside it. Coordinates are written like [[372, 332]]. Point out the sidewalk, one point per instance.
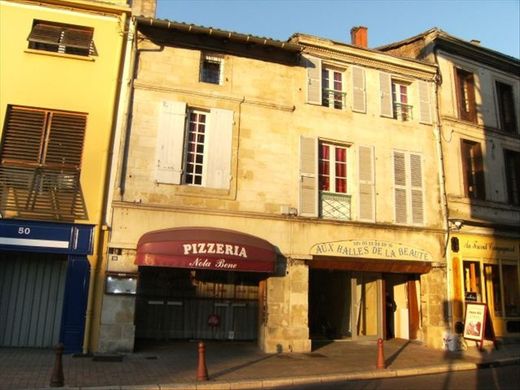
[[234, 365]]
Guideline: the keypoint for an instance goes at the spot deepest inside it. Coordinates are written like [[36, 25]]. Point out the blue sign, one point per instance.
[[51, 237]]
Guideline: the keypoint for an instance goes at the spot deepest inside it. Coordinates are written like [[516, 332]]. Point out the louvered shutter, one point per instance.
[[385, 83], [218, 149], [416, 189], [400, 187], [425, 109], [24, 134], [44, 33], [359, 89], [170, 142], [76, 38], [313, 66], [65, 140], [308, 177], [366, 183]]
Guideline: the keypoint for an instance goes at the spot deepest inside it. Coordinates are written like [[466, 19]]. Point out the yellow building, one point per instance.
[[479, 112], [61, 67]]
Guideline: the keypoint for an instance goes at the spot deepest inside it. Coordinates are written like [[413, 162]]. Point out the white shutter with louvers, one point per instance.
[[359, 89], [366, 184], [416, 189], [425, 109], [313, 66], [385, 82], [170, 142], [400, 195], [218, 149], [308, 177]]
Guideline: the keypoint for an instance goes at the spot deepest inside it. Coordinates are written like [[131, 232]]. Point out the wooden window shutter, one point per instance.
[[366, 183], [80, 39], [359, 89], [65, 140], [24, 136], [425, 107], [385, 83], [308, 177], [313, 66], [401, 214], [417, 189], [45, 33], [170, 142], [479, 169], [219, 148]]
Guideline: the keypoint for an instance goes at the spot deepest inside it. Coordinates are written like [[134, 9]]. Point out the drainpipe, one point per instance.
[[442, 189]]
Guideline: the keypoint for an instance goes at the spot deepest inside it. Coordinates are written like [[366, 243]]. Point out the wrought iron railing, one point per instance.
[[336, 206], [41, 193], [331, 97], [403, 111]]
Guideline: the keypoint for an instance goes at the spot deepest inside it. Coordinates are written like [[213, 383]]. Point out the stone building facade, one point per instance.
[[479, 112]]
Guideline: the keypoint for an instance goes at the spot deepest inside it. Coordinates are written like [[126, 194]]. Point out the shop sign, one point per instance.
[[488, 247], [371, 249]]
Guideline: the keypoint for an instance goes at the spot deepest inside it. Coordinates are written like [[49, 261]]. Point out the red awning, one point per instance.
[[205, 248]]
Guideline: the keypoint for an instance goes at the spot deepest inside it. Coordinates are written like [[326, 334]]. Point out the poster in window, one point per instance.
[[475, 321]]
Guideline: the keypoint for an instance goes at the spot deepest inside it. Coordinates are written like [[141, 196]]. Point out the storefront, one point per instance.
[[44, 279], [199, 283], [365, 289], [486, 269]]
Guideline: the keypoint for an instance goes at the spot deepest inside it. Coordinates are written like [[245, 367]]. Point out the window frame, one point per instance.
[[328, 87], [62, 38], [512, 171], [466, 97], [189, 131], [402, 110], [473, 169], [505, 98], [205, 75]]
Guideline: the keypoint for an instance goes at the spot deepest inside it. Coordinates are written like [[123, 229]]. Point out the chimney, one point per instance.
[[144, 8], [359, 36]]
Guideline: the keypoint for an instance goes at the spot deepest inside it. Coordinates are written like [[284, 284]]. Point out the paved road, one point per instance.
[[494, 378]]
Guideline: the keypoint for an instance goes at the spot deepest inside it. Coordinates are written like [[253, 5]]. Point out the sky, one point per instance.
[[495, 23]]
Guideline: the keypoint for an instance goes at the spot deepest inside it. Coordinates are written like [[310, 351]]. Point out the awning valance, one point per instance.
[[205, 248]]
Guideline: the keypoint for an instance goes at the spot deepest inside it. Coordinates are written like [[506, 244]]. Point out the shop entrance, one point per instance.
[[175, 303]]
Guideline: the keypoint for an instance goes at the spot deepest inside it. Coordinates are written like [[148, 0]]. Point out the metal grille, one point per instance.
[[403, 111], [334, 205]]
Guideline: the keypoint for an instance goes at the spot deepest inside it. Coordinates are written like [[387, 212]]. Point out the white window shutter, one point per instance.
[[308, 177], [313, 66], [400, 196], [385, 82], [425, 107], [170, 142], [366, 183], [417, 189], [359, 90], [218, 149]]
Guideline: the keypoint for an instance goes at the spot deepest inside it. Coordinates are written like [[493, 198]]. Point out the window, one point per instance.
[[332, 94], [493, 295], [211, 69], [402, 110], [511, 290], [334, 201], [473, 170], [194, 146], [465, 84], [41, 160], [506, 107], [512, 166], [511, 298], [408, 188], [472, 278], [62, 38]]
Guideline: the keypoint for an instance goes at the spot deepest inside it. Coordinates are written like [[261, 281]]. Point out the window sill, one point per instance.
[[61, 55]]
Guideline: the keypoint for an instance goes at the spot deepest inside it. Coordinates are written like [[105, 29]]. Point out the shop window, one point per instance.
[[493, 295], [472, 278], [506, 107], [332, 94], [194, 146], [473, 170], [211, 69], [512, 167], [62, 38], [465, 84], [408, 188], [511, 290]]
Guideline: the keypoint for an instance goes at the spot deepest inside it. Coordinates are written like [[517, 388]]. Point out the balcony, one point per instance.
[[403, 111], [41, 193], [333, 98], [335, 206]]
